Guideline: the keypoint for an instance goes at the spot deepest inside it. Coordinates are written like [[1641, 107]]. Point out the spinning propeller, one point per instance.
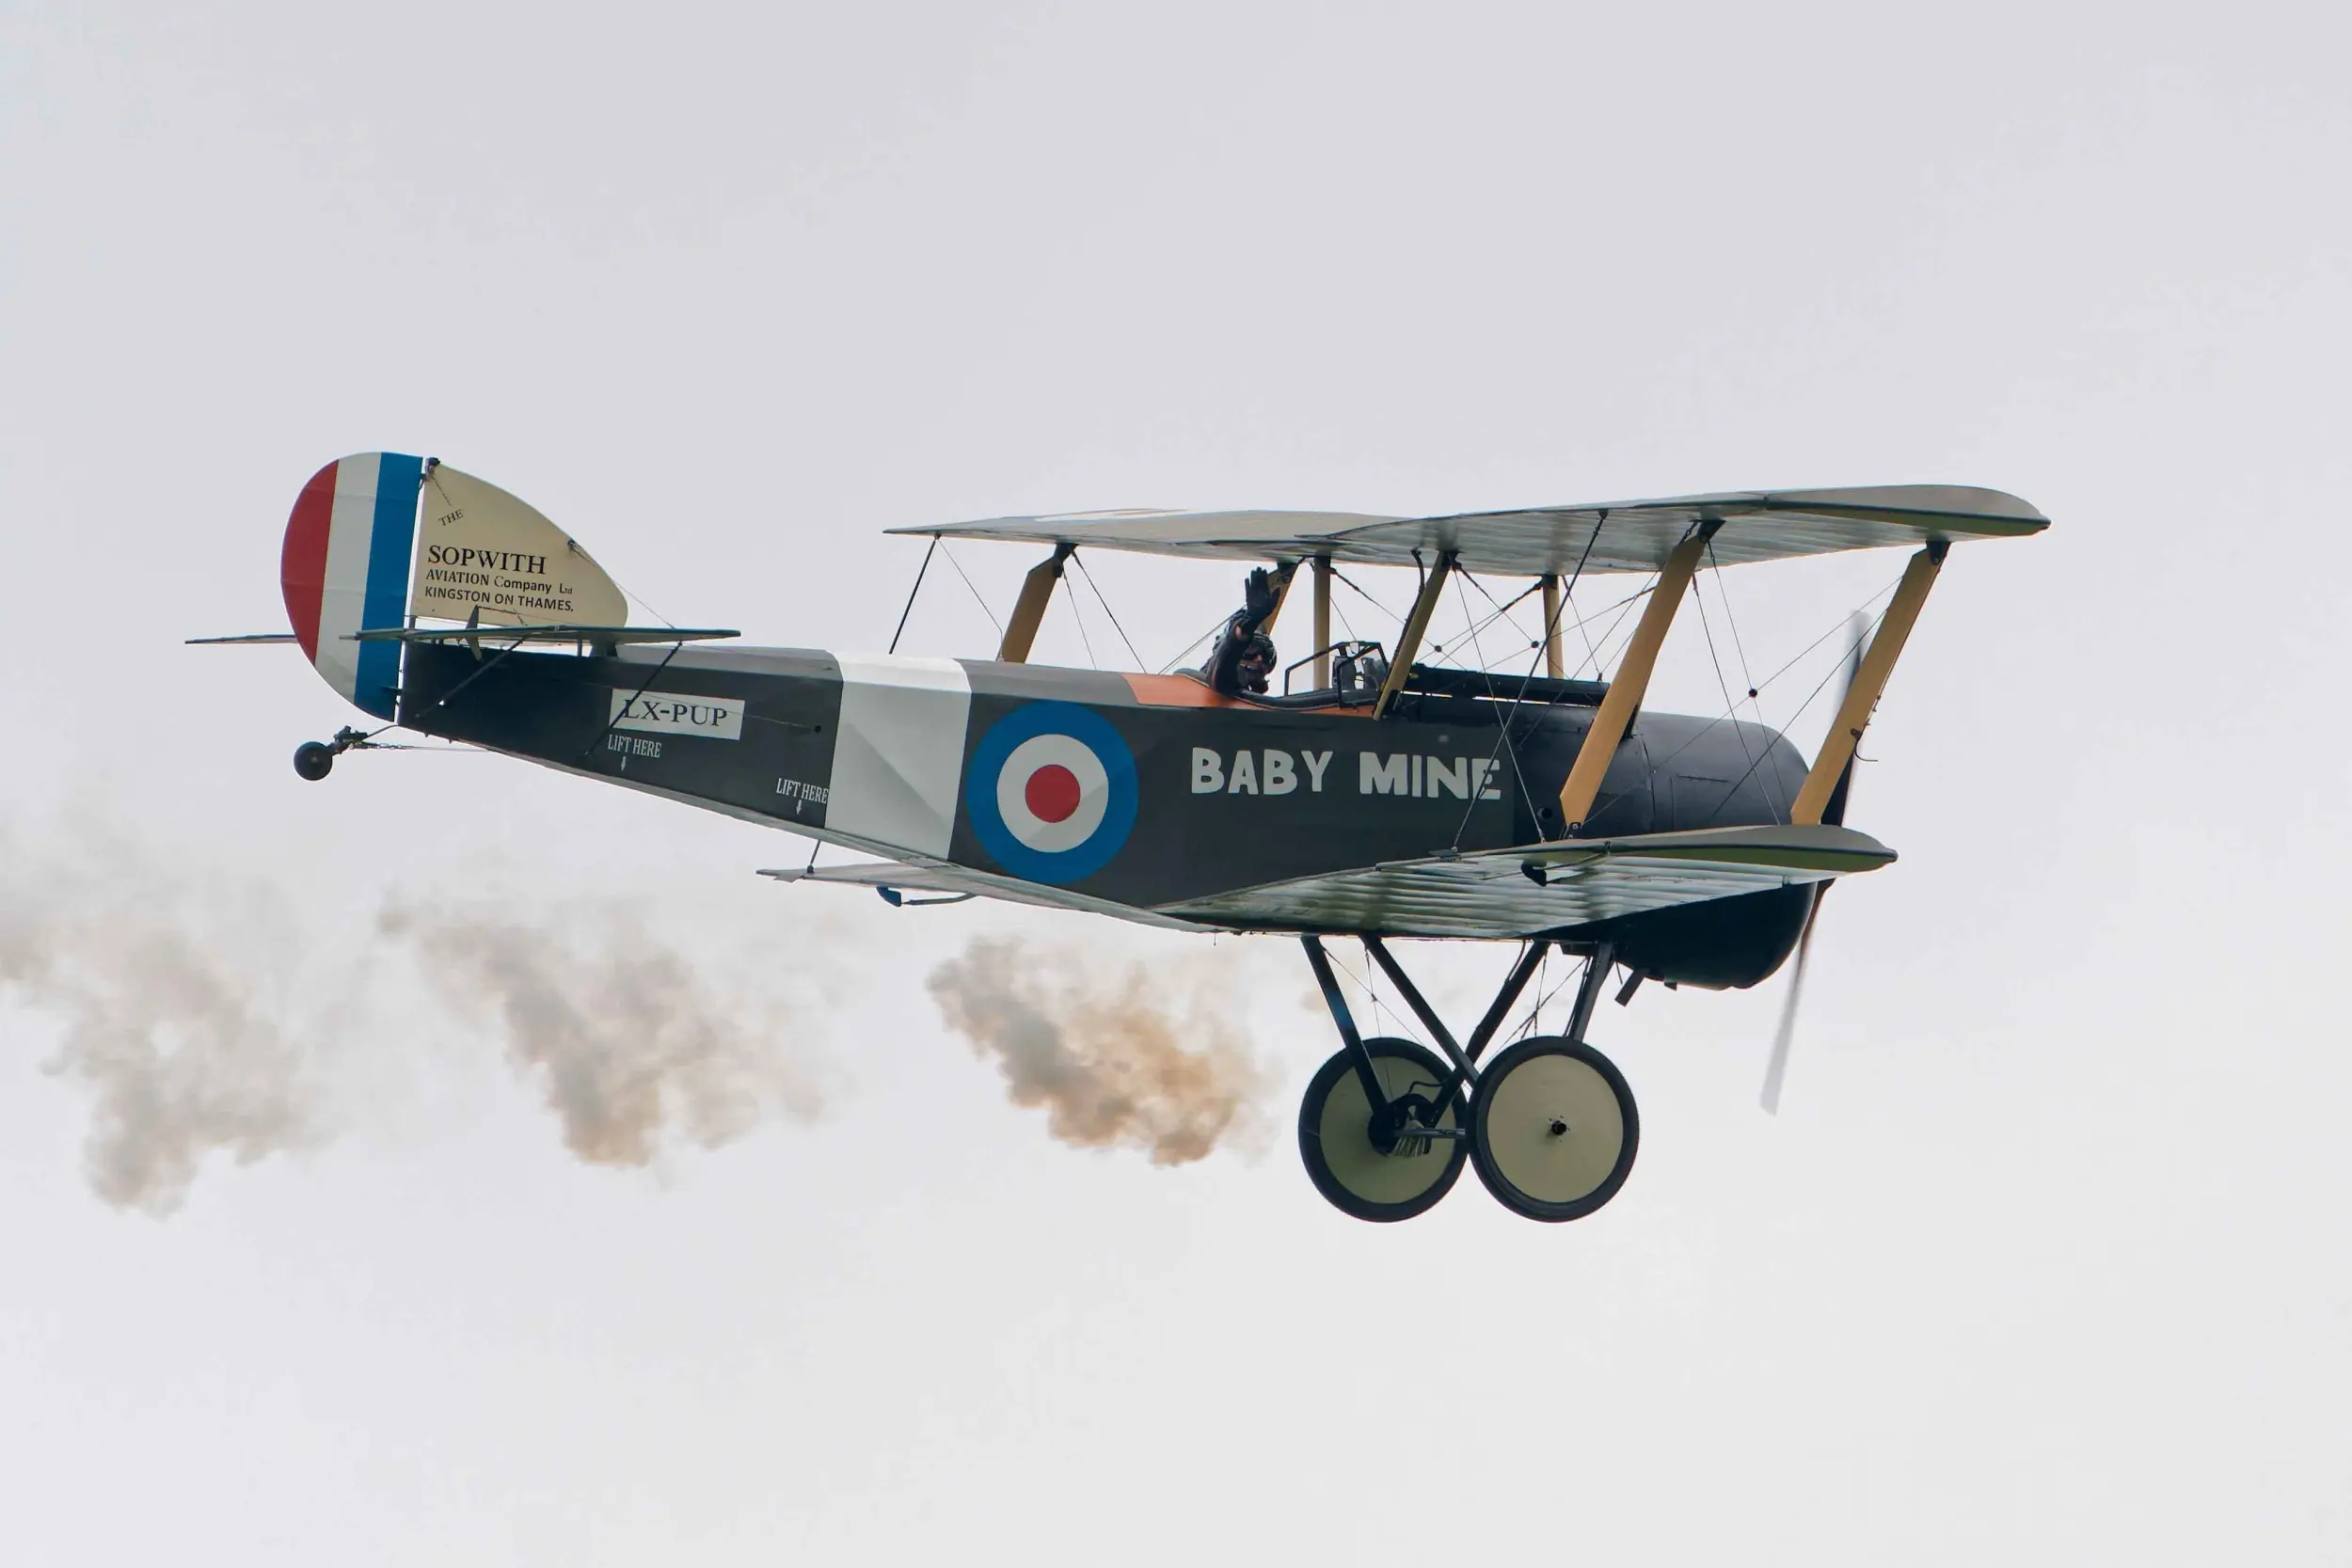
[[1834, 814]]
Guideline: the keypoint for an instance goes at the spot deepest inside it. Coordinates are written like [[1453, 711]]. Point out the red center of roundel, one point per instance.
[[1052, 793]]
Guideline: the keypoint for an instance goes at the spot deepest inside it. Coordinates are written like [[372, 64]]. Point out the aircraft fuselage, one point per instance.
[[1142, 791]]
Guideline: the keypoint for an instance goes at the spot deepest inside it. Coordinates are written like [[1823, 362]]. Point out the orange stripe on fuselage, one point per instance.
[[1190, 691]]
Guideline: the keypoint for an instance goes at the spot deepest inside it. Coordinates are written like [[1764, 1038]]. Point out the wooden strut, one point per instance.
[[1282, 597], [1028, 613], [1870, 683], [1553, 666], [1631, 681], [1322, 565], [1416, 626]]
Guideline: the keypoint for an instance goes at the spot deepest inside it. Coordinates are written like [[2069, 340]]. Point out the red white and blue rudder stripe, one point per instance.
[[345, 568]]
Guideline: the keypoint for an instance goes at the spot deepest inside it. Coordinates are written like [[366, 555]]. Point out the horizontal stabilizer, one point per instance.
[[1537, 888], [247, 637], [537, 634]]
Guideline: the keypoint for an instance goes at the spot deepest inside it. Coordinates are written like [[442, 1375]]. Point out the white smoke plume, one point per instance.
[[1115, 1055], [176, 1030], [628, 1039]]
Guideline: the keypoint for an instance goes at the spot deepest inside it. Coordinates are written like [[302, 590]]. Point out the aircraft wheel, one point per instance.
[[1361, 1172], [1554, 1131], [314, 761]]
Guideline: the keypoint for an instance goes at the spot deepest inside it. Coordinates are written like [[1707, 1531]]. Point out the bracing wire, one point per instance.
[[1533, 1014], [1722, 684], [1723, 592], [1502, 610], [1818, 688], [1600, 664], [1384, 609], [1077, 615], [1107, 611], [1472, 626], [976, 593], [1380, 1014], [1767, 682]]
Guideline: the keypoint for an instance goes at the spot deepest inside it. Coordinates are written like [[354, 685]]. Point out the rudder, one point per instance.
[[345, 568]]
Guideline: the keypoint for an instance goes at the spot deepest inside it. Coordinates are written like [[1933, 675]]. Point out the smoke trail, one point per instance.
[[1112, 1058], [170, 1030], [625, 1036]]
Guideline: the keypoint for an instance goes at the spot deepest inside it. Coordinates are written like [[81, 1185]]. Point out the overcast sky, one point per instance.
[[2044, 1259]]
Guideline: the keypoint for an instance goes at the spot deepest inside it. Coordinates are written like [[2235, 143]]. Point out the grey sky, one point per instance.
[[2045, 1259]]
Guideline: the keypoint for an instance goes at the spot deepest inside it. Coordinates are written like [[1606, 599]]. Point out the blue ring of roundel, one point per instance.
[[1090, 730]]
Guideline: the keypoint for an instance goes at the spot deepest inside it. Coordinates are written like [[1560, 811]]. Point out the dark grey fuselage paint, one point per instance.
[[766, 742]]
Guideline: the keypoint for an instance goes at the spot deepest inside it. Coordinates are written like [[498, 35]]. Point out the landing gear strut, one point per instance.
[[1386, 1125]]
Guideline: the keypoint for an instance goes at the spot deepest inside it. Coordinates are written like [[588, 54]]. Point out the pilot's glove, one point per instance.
[[1259, 597]]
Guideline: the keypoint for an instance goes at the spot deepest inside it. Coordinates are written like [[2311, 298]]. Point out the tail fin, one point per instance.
[[356, 559], [490, 555]]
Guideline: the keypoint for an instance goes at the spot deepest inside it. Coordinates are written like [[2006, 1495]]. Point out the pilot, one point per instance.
[[1242, 662]]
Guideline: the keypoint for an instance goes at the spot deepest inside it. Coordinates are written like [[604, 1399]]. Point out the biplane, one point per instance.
[[1383, 798]]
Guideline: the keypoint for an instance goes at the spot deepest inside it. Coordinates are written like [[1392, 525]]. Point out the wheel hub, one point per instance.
[[1401, 1127]]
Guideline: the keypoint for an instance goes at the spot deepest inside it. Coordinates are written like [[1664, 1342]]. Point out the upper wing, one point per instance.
[[1543, 887], [1613, 536]]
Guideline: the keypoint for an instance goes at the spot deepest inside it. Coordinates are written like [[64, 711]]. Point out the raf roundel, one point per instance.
[[1051, 792]]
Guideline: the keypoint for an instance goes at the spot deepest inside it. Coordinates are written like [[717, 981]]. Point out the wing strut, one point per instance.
[[1322, 565], [1853, 714], [1028, 613], [1632, 682], [1416, 628], [1553, 665]]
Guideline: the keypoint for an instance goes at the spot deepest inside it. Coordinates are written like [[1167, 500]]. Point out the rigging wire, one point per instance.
[[1503, 611], [1375, 604], [976, 593], [1833, 631], [1767, 683], [1461, 598], [1107, 608], [1503, 745], [1078, 616], [1567, 594], [1747, 675], [1371, 996], [1722, 684], [1818, 689], [1502, 726], [1628, 602], [1536, 1012], [1345, 624], [1473, 625]]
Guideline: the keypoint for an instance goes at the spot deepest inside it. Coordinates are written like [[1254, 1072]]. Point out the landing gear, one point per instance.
[[1387, 1124], [1553, 1129], [1389, 1162], [315, 759]]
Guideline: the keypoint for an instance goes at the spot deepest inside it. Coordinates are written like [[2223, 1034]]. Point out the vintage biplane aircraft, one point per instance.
[[1385, 799]]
